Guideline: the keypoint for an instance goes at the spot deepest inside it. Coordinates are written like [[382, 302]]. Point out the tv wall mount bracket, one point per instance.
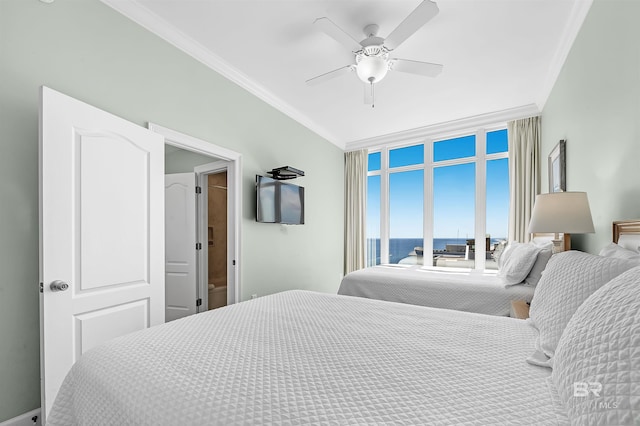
[[285, 172]]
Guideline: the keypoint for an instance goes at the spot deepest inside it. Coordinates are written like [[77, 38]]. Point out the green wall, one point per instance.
[[183, 161], [86, 50], [595, 106]]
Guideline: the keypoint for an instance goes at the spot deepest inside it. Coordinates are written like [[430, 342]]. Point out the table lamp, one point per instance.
[[561, 212]]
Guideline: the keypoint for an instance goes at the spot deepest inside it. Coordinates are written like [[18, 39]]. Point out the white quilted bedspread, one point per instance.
[[308, 358], [446, 288]]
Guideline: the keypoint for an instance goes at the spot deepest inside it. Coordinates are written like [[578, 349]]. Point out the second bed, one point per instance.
[[448, 288]]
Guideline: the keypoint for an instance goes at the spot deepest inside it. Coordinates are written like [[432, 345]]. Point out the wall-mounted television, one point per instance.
[[279, 202]]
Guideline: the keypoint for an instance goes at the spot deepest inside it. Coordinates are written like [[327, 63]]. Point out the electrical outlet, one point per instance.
[[254, 296]]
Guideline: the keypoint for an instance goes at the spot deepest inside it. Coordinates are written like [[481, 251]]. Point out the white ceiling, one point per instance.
[[501, 57]]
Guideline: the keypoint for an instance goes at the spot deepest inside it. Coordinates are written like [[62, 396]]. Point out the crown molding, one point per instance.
[[446, 129], [134, 11], [158, 26], [576, 19]]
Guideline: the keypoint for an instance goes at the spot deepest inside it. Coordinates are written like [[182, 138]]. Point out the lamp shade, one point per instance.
[[561, 212]]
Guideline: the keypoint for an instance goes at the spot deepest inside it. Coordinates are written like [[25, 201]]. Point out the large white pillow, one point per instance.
[[516, 262], [568, 280], [596, 368], [546, 251]]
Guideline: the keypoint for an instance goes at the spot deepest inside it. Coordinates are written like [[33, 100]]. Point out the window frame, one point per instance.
[[480, 159]]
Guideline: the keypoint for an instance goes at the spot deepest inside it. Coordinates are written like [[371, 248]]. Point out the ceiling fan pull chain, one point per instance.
[[373, 99]]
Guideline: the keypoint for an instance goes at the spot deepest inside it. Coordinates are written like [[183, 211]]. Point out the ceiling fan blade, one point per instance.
[[330, 75], [412, 23], [416, 67], [337, 33]]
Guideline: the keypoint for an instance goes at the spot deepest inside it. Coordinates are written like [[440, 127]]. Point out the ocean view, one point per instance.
[[399, 248]]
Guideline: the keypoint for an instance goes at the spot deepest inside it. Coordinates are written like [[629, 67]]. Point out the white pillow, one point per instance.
[[596, 369], [569, 279], [614, 250], [546, 250], [516, 262]]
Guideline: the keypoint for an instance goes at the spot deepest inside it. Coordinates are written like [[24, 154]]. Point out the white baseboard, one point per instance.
[[26, 419]]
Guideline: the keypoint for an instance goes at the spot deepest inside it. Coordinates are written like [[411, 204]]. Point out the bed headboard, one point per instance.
[[626, 233]]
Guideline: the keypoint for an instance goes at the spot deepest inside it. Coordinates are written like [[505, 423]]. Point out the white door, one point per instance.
[[101, 232], [180, 245]]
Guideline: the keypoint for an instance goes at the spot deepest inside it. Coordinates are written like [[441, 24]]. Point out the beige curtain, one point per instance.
[[355, 178], [524, 173]]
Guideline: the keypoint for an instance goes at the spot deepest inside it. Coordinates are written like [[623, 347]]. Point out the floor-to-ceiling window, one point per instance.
[[406, 201], [443, 202], [373, 209], [454, 201], [497, 189]]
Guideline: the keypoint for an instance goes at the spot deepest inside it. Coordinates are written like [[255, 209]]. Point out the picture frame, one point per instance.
[[558, 167]]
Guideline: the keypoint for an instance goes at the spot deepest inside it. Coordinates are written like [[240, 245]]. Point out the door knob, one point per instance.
[[58, 285]]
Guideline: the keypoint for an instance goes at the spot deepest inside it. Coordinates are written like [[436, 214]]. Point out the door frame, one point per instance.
[[233, 163], [202, 176]]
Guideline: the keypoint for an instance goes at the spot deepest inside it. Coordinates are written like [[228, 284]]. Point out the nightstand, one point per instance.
[[519, 309]]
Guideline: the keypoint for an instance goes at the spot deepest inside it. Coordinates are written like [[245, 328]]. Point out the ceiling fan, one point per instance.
[[372, 60]]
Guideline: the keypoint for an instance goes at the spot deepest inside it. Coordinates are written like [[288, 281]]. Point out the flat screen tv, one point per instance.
[[279, 202]]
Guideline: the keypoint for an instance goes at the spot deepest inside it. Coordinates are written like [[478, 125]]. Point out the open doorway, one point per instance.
[[215, 173], [217, 239], [213, 227]]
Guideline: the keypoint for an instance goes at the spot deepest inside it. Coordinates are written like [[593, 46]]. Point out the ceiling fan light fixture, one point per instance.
[[372, 54], [372, 69]]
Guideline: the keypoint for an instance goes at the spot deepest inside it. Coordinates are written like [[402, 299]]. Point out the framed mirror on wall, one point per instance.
[[557, 168]]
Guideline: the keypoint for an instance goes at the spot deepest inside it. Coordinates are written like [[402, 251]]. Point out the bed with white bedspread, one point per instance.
[[300, 357], [486, 292], [448, 288], [307, 358]]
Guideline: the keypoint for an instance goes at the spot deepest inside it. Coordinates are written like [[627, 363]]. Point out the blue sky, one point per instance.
[[454, 191]]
